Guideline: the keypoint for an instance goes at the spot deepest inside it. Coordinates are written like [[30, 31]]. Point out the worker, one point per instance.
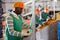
[[15, 23], [44, 14], [36, 18]]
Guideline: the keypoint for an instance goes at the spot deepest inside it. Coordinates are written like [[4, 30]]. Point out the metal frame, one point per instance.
[[33, 20], [54, 8]]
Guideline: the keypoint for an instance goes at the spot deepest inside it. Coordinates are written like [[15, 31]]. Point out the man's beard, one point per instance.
[[18, 13]]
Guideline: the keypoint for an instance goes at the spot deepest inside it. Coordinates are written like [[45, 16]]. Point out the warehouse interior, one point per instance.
[[42, 15]]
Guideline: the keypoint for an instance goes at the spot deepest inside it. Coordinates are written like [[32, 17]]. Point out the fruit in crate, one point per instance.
[[50, 21]]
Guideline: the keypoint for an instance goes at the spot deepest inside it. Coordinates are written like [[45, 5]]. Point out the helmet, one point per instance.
[[37, 10], [46, 9], [18, 4]]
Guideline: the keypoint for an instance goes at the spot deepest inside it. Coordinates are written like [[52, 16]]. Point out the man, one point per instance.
[[37, 17], [15, 23], [45, 14]]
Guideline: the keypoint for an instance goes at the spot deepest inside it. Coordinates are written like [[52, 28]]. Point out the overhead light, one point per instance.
[[55, 0], [28, 2]]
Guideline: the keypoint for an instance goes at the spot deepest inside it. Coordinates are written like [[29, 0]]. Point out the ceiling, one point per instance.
[[41, 1]]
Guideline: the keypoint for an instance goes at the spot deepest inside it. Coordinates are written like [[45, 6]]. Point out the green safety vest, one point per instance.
[[17, 27], [44, 15]]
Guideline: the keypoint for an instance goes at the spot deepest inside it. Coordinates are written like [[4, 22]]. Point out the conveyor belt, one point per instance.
[[45, 24]]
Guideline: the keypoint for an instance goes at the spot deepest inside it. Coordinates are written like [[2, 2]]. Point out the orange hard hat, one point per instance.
[[37, 10], [46, 9], [18, 4]]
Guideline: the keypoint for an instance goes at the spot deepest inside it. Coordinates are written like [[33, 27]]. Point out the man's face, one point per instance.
[[18, 10]]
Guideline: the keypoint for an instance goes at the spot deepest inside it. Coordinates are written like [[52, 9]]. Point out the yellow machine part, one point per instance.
[[58, 16]]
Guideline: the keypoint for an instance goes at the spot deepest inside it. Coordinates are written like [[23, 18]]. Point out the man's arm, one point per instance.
[[11, 27]]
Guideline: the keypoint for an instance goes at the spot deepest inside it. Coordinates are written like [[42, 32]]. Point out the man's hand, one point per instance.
[[25, 33]]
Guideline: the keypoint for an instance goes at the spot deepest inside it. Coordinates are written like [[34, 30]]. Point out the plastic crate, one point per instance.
[[59, 30]]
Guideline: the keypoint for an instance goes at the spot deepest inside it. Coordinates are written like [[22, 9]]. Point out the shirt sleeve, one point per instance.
[[11, 27]]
